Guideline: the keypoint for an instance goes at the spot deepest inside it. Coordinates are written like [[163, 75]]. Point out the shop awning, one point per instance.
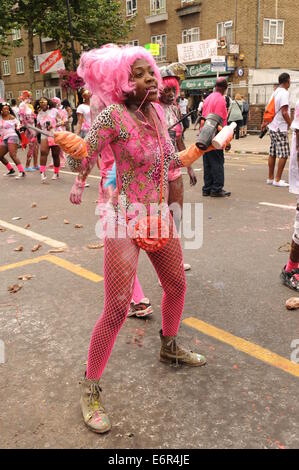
[[198, 83]]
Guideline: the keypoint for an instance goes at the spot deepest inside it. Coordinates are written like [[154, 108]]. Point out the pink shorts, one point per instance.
[[174, 174]]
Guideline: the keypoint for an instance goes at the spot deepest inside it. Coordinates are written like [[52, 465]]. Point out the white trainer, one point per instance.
[[55, 176], [281, 184], [269, 181], [43, 177], [187, 267]]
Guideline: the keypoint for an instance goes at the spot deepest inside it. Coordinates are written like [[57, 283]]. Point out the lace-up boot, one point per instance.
[[173, 353], [92, 407]]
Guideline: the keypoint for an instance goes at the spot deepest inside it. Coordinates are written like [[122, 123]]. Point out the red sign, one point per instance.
[[54, 57]]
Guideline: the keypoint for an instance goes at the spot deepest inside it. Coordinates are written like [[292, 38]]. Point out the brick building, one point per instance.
[[15, 69], [258, 38]]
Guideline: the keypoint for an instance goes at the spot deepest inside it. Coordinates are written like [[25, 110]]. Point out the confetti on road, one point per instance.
[[292, 303], [66, 222], [25, 277], [56, 250], [14, 288], [95, 246], [2, 229], [19, 248], [78, 226], [27, 226], [16, 218], [43, 217], [36, 247], [34, 204]]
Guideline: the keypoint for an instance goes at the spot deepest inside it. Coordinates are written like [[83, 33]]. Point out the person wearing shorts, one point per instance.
[[9, 140], [278, 128]]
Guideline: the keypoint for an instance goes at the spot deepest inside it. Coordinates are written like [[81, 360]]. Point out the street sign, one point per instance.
[[154, 49], [218, 63], [50, 62]]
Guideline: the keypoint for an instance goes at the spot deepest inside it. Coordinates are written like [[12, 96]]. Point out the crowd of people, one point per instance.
[[132, 122], [19, 127]]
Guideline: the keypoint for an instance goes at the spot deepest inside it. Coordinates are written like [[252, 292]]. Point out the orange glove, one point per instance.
[[71, 144], [192, 153]]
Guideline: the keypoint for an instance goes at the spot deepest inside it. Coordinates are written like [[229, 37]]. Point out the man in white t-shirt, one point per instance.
[[183, 105], [279, 132]]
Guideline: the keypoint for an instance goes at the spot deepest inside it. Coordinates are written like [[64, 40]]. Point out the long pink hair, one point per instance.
[[107, 71]]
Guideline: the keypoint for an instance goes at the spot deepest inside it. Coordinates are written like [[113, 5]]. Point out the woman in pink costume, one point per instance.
[[48, 119], [63, 115], [136, 131], [9, 139], [140, 305], [28, 116]]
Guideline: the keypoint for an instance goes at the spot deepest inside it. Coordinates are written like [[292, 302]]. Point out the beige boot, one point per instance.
[[92, 407], [173, 353]]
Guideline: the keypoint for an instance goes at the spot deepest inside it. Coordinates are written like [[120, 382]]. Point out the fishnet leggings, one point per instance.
[[120, 265]]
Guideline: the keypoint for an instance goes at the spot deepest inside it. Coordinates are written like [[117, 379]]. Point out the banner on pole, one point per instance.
[[50, 62]]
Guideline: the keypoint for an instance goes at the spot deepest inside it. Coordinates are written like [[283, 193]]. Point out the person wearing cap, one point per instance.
[[213, 161], [290, 273]]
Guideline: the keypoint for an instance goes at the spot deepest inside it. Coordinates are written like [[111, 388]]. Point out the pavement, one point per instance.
[[246, 395]]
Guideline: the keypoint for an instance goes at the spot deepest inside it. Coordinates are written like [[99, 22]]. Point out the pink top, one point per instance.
[[136, 151], [8, 127], [215, 103]]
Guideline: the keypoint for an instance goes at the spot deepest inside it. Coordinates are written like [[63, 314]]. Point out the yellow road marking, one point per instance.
[[34, 235], [241, 344], [20, 264], [73, 268]]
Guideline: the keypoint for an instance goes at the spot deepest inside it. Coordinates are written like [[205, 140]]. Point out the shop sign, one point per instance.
[[199, 70], [218, 63]]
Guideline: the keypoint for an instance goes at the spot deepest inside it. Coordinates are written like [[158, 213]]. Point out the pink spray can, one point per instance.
[[223, 138]]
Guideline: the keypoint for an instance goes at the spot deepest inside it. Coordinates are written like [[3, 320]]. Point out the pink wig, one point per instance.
[[172, 82], [107, 71], [56, 101]]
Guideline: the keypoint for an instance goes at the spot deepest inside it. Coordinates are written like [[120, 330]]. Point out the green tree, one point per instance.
[[94, 23]]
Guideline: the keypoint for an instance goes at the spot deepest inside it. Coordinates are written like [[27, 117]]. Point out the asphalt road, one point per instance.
[[245, 397]]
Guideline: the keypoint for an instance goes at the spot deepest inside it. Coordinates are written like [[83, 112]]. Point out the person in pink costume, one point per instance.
[[135, 129], [9, 139], [28, 116], [48, 119], [63, 115], [140, 305]]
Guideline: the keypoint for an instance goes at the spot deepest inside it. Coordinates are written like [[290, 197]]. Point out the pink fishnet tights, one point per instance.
[[120, 265]]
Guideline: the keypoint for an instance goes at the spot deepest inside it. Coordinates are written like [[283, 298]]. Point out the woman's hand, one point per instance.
[[77, 191], [191, 173]]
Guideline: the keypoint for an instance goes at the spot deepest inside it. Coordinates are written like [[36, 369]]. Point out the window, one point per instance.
[[38, 94], [131, 7], [16, 34], [9, 95], [190, 35], [158, 7], [5, 67], [52, 92], [162, 40], [225, 30], [36, 64], [135, 42], [20, 65], [273, 31]]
